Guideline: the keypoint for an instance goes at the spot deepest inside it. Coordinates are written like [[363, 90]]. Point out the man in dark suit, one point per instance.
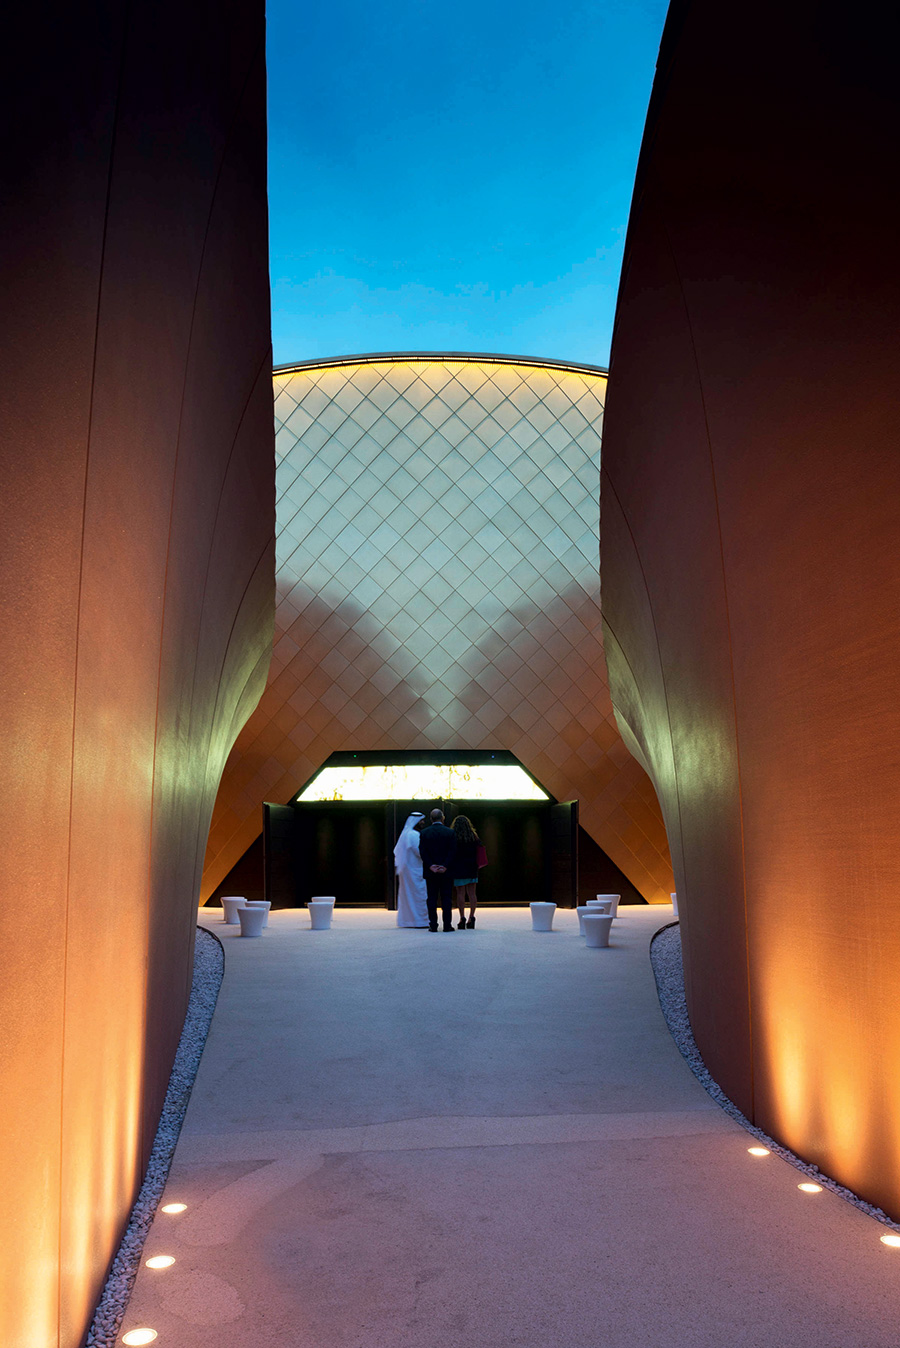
[[437, 845]]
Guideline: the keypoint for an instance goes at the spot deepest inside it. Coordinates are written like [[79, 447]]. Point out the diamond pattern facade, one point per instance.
[[438, 587]]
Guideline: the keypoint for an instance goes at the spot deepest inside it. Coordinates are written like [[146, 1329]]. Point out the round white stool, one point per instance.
[[604, 906], [230, 909], [542, 916], [251, 920], [596, 929], [321, 912], [674, 898], [582, 912], [615, 899], [264, 904]]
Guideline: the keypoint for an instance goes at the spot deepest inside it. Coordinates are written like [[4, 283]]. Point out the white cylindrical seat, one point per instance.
[[542, 916], [674, 898], [251, 920], [230, 907], [321, 912], [582, 912], [599, 905], [596, 929], [615, 899], [264, 904]]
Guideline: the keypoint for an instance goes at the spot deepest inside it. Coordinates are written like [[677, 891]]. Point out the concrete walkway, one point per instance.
[[403, 1140]]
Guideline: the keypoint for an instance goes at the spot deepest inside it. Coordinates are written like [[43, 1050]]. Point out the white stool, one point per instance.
[[251, 920], [615, 899], [582, 912], [596, 929], [260, 903], [674, 898], [230, 909], [604, 906], [542, 916], [321, 912]]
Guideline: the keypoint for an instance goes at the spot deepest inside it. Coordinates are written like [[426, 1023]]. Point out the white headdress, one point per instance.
[[408, 842]]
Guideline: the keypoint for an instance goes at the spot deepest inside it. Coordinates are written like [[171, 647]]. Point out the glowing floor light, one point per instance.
[[135, 1337], [424, 781], [174, 1207], [810, 1188], [892, 1240], [758, 1151], [161, 1261]]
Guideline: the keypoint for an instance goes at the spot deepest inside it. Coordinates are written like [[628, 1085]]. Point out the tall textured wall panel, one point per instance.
[[751, 558], [438, 588], [137, 587]]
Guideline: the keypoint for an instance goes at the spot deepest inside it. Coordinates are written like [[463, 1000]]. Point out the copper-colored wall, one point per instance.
[[751, 559], [137, 587], [438, 588]]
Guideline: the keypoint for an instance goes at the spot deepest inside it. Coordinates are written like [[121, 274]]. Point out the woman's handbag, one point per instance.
[[481, 856]]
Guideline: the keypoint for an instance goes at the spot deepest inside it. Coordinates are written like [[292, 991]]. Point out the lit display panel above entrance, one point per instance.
[[423, 781]]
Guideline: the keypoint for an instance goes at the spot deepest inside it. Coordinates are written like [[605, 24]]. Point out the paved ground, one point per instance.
[[398, 1140]]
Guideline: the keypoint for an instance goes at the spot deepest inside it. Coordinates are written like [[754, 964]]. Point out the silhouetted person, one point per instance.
[[437, 844], [465, 868]]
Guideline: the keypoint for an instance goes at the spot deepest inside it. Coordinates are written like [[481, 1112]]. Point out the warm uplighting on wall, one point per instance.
[[810, 1188], [425, 781], [758, 1151], [174, 1207], [135, 1337], [161, 1261]]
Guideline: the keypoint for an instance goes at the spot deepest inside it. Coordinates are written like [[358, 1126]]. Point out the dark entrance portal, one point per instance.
[[346, 848]]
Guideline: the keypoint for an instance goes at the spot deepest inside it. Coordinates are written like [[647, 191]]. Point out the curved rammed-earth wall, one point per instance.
[[751, 555], [137, 587]]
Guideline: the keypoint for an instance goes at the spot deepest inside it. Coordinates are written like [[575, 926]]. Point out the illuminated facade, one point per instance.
[[438, 587], [426, 781]]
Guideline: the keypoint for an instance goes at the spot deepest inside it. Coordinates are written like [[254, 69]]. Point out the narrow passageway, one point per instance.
[[407, 1140]]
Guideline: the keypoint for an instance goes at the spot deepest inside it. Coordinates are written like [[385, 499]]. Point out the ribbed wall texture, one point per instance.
[[438, 588], [136, 589], [751, 554]]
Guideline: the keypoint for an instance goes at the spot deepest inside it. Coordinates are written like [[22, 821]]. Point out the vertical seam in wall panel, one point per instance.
[[737, 741], [87, 459], [198, 873], [264, 363], [637, 554], [239, 102], [262, 370]]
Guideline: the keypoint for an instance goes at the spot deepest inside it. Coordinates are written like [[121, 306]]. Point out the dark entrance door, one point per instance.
[[346, 848]]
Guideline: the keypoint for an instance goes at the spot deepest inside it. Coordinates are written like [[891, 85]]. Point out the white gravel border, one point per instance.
[[665, 958], [209, 967]]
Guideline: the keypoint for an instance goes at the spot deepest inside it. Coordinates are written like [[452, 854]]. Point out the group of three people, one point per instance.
[[437, 866]]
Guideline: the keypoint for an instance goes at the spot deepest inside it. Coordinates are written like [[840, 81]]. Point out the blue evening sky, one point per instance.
[[453, 177]]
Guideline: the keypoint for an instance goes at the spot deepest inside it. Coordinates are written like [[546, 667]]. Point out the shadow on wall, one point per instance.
[[528, 679]]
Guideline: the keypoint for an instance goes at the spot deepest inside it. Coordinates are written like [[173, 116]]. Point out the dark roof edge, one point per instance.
[[475, 357]]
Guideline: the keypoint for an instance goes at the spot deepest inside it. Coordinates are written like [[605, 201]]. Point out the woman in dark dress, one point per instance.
[[465, 869]]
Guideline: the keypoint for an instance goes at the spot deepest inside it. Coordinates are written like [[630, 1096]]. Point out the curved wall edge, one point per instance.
[[137, 588], [751, 558]]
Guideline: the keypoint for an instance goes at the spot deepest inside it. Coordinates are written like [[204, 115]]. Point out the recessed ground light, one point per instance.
[[810, 1188], [758, 1151], [134, 1337], [161, 1261], [175, 1207], [892, 1240]]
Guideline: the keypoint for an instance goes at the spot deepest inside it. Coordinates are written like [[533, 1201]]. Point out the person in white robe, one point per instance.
[[412, 909]]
